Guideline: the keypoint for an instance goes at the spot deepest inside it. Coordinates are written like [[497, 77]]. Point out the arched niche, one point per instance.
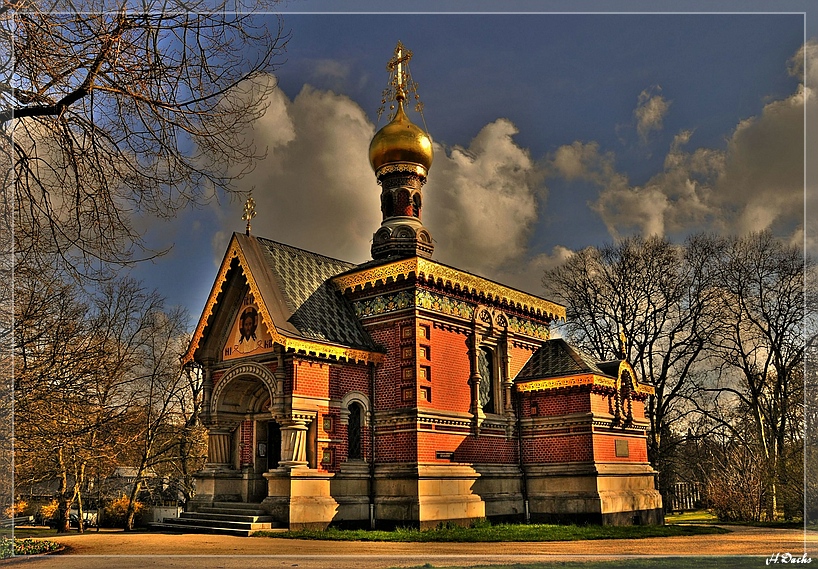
[[245, 389]]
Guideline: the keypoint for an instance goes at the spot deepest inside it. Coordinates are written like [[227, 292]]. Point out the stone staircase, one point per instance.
[[231, 518]]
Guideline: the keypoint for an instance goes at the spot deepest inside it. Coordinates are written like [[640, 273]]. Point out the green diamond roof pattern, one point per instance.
[[318, 312]]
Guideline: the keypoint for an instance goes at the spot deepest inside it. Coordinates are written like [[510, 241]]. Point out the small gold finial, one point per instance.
[[249, 211], [623, 342]]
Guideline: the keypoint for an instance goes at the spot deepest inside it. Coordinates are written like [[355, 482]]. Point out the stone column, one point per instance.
[[207, 391], [294, 443], [474, 378], [218, 447], [505, 380]]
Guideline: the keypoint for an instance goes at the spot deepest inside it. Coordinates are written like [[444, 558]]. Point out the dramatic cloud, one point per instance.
[[316, 189], [481, 201], [755, 183], [651, 108]]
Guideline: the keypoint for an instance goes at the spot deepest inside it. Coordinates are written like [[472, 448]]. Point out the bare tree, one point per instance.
[[159, 388], [760, 343], [658, 295], [110, 115]]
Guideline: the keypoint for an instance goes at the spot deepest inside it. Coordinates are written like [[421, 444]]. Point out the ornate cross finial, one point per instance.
[[402, 55], [400, 82], [249, 211], [623, 342]]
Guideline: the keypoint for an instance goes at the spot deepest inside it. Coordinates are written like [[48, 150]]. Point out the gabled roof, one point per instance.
[[317, 311], [557, 357], [558, 364], [300, 307]]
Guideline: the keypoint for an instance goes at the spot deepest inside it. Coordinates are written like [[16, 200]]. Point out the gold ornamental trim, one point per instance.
[[568, 381], [474, 284], [290, 344], [574, 380], [402, 167]]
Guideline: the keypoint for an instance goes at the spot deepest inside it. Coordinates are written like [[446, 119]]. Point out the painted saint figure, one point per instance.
[[246, 337]]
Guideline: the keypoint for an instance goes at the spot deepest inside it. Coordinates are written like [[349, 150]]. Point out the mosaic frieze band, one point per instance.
[[384, 304], [431, 271]]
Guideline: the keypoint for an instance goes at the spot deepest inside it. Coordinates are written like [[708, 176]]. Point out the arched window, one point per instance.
[[485, 365], [416, 205], [354, 431], [387, 205]]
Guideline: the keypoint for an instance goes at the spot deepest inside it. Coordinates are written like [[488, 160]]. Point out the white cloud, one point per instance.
[[316, 189], [481, 201], [755, 183], [651, 108]]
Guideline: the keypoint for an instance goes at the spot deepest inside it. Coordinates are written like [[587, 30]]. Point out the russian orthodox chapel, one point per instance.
[[403, 391]]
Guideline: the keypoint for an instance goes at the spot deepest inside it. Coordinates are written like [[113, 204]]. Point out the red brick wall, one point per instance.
[[605, 448], [450, 370], [310, 378], [519, 357], [387, 373], [568, 447], [558, 402], [392, 446], [467, 448]]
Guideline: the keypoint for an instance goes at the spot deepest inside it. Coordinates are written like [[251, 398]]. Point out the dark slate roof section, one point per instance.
[[317, 311], [558, 358]]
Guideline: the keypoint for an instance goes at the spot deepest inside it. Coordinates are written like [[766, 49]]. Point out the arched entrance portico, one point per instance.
[[240, 420]]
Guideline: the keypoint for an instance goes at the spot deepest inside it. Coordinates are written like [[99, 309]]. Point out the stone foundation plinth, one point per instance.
[[601, 493]]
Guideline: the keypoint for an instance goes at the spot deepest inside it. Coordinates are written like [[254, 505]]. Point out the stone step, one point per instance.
[[231, 511], [238, 505], [227, 517], [179, 528], [200, 523]]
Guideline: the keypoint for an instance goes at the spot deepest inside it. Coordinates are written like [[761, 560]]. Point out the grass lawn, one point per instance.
[[705, 517], [39, 531], [485, 532]]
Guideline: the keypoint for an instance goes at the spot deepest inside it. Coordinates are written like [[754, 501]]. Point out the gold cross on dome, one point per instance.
[[249, 211], [402, 55]]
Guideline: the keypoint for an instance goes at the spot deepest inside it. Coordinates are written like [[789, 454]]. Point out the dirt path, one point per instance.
[[195, 551]]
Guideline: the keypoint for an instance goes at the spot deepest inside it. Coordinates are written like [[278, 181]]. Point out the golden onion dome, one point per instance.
[[400, 141]]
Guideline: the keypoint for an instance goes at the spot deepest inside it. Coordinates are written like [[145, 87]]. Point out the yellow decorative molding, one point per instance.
[[582, 379], [567, 381], [295, 344], [328, 351], [472, 283]]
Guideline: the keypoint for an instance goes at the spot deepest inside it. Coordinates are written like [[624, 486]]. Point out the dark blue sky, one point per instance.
[[559, 78]]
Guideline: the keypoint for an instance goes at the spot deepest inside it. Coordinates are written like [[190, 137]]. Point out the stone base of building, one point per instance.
[[599, 493], [304, 498], [431, 495], [224, 485]]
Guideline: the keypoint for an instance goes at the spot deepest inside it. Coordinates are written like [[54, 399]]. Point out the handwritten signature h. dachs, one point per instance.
[[788, 558]]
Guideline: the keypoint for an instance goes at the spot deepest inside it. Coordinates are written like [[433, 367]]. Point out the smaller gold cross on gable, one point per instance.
[[249, 211]]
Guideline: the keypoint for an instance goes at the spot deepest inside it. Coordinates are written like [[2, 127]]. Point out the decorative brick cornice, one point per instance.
[[432, 272]]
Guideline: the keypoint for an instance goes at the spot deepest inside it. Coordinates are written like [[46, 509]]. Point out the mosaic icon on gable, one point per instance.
[[248, 335]]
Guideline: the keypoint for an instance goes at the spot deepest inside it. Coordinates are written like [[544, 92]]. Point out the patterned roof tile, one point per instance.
[[318, 312]]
